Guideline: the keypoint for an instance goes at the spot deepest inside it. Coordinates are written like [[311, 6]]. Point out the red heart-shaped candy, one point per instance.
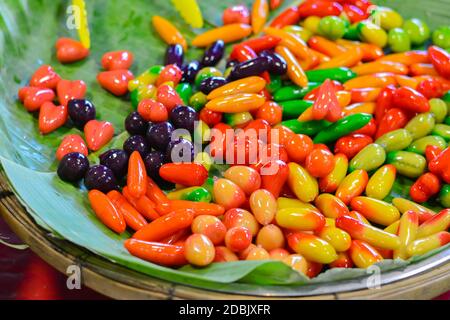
[[45, 77], [34, 97], [115, 81], [68, 90], [69, 50], [71, 143], [98, 134], [51, 117]]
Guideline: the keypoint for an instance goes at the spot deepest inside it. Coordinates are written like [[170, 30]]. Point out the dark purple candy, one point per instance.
[[231, 63], [100, 177], [153, 161], [213, 54], [159, 134], [73, 166], [174, 55], [135, 124], [252, 67], [183, 117], [211, 83], [190, 71], [136, 143], [180, 150], [80, 111], [277, 64], [116, 160]]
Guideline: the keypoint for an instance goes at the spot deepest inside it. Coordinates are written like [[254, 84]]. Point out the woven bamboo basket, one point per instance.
[[423, 280]]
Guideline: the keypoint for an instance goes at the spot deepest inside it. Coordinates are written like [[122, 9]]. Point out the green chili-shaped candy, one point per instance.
[[395, 140], [409, 164], [293, 92], [447, 120], [421, 125], [444, 196], [184, 90], [134, 97], [309, 128], [339, 74], [442, 130], [343, 127], [371, 157], [275, 83], [421, 144], [438, 107], [352, 32], [198, 100], [197, 194], [294, 108]]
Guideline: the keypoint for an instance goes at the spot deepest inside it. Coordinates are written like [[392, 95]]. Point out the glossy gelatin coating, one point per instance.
[[352, 186], [363, 255], [381, 182], [302, 183], [301, 219], [376, 210], [311, 247]]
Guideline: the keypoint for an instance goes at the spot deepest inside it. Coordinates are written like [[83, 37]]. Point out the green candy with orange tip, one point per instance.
[[371, 33], [421, 125], [409, 164], [197, 194], [294, 92], [342, 127], [339, 74], [438, 107], [198, 100], [442, 130], [184, 90], [421, 144], [371, 157], [395, 140], [309, 128], [444, 196], [237, 119], [292, 109]]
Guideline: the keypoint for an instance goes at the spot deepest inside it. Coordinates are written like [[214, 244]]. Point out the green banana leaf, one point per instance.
[[29, 29]]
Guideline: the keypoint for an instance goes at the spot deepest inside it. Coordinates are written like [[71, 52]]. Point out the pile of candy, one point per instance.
[[334, 120]]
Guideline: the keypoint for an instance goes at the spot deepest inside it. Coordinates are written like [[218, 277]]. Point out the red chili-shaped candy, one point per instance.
[[384, 102], [351, 144], [186, 174], [265, 42], [394, 119], [152, 110], [288, 17], [431, 88], [409, 99], [440, 60], [319, 8], [426, 186], [440, 165], [236, 14], [319, 163]]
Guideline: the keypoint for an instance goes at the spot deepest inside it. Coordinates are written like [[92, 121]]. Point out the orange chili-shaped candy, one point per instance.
[[376, 80], [295, 71], [137, 175], [363, 255], [260, 12], [259, 44], [365, 94], [274, 182], [105, 210], [166, 225], [370, 51], [326, 46], [154, 193], [394, 119], [405, 81], [330, 205], [320, 8], [199, 208], [160, 253], [407, 232], [311, 247], [186, 174], [274, 4], [439, 222], [319, 163], [132, 217], [288, 17], [408, 58], [343, 261], [227, 33], [369, 129], [382, 66], [168, 32], [348, 59], [421, 69], [374, 236], [352, 186], [376, 210], [246, 85], [331, 182], [143, 204], [351, 144], [384, 102], [240, 102], [363, 107], [425, 187], [292, 42]]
